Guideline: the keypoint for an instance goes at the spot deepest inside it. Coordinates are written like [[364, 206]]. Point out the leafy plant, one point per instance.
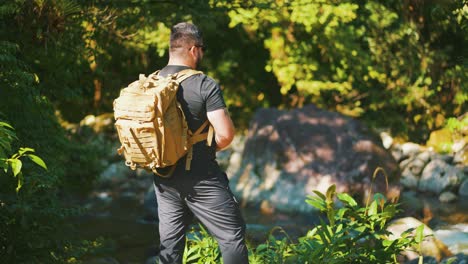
[[201, 248], [349, 234], [274, 250], [353, 234], [14, 162], [33, 222]]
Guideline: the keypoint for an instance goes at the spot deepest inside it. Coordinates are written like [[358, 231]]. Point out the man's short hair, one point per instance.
[[183, 34]]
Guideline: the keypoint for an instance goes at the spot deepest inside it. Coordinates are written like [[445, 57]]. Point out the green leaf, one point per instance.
[[372, 209], [360, 229], [261, 247], [193, 257], [346, 198], [4, 124], [312, 233], [16, 165], [419, 234], [191, 251], [37, 160], [331, 192], [317, 203], [23, 151], [341, 212], [319, 194]]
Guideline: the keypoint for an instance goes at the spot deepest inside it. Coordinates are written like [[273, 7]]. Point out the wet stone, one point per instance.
[[447, 197]]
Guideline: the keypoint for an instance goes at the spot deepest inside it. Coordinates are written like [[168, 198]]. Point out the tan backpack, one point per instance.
[[151, 124]]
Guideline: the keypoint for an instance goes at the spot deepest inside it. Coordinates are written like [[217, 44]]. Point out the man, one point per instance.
[[203, 191]]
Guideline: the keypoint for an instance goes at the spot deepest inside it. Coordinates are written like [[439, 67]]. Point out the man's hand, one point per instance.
[[223, 127]]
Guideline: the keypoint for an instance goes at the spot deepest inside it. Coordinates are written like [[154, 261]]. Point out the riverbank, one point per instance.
[[119, 210]]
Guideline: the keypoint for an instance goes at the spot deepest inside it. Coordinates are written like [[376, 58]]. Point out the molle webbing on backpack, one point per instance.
[[151, 124]]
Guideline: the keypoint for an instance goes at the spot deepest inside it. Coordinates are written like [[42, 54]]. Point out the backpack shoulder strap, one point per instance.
[[184, 74]]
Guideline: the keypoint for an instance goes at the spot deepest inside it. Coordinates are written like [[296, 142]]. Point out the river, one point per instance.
[[116, 212]]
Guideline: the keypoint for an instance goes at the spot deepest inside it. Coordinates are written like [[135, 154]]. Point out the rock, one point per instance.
[[409, 149], [417, 166], [459, 144], [439, 176], [444, 157], [408, 179], [424, 156], [461, 156], [431, 246], [426, 260], [455, 237], [405, 163], [115, 172], [397, 153], [387, 140], [447, 197], [457, 259], [288, 154], [463, 189]]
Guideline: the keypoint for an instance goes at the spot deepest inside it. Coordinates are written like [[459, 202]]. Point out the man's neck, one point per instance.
[[175, 62]]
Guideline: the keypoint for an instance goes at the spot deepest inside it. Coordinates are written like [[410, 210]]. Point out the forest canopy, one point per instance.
[[402, 60]]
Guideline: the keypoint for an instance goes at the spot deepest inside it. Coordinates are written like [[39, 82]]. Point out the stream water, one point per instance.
[[118, 214]]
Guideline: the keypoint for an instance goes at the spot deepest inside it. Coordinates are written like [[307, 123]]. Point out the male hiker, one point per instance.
[[202, 191]]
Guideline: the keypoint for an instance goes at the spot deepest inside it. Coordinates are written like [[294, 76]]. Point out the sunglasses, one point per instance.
[[203, 47]]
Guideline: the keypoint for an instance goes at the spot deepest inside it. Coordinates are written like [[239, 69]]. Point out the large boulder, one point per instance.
[[288, 154]]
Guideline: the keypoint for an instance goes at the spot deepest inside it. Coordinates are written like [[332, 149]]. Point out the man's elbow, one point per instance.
[[223, 141]]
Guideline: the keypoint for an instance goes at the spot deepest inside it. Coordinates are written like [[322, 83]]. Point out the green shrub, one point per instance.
[[34, 226], [201, 248], [349, 234]]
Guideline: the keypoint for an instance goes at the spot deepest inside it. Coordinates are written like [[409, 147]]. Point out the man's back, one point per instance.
[[197, 95]]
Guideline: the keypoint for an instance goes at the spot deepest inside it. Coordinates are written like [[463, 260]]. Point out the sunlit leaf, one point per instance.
[[419, 234], [346, 198], [372, 209], [37, 160], [16, 165], [319, 194], [23, 151]]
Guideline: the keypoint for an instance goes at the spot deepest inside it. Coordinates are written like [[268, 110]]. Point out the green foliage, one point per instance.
[[201, 248], [275, 250], [455, 131], [458, 126], [349, 234], [34, 226], [367, 59], [353, 234], [31, 218]]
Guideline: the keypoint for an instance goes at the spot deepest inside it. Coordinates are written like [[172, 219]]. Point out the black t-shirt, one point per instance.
[[198, 94]]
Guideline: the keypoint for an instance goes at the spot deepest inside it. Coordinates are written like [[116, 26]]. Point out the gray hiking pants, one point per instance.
[[212, 203]]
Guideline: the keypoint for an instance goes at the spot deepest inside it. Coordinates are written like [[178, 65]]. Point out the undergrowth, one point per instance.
[[349, 233]]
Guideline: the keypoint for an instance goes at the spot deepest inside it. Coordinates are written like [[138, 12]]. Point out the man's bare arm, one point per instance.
[[223, 127]]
